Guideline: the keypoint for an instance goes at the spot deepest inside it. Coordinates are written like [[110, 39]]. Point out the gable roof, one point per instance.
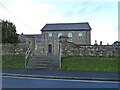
[[66, 27], [38, 37]]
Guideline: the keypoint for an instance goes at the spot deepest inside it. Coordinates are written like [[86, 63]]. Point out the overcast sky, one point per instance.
[[30, 16]]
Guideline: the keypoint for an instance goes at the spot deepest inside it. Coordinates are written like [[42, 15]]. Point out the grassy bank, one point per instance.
[[13, 61], [99, 64], [70, 63]]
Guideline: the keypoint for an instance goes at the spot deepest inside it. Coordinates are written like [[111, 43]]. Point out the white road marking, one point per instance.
[[62, 79]]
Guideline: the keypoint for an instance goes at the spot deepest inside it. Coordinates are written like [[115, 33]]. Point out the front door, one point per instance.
[[49, 48]]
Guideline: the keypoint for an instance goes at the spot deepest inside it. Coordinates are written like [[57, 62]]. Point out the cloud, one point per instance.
[[58, 1], [84, 10], [30, 16], [27, 15]]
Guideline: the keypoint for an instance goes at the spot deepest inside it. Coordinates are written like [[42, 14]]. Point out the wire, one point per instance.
[[16, 17]]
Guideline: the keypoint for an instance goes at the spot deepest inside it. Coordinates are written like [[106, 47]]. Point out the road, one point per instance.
[[25, 82]]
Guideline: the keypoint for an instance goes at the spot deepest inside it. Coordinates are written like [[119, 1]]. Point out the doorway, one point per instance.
[[49, 48]]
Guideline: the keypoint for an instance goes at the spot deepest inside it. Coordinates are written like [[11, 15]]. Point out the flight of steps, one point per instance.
[[43, 62]]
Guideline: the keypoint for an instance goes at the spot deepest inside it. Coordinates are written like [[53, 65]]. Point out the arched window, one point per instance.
[[59, 34], [49, 36], [69, 35], [80, 36]]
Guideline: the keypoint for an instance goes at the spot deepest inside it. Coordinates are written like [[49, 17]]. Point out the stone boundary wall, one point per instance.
[[38, 49], [20, 48], [71, 49]]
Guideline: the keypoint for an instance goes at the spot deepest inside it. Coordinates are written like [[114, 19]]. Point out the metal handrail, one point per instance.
[[27, 54], [60, 56]]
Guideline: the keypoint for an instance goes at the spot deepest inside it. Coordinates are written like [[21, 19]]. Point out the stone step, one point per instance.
[[39, 59], [45, 65], [43, 62], [44, 57], [40, 68], [32, 60]]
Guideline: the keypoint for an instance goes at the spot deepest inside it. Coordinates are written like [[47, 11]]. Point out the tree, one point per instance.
[[9, 34]]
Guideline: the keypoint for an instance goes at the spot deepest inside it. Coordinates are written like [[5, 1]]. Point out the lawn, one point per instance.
[[13, 61], [98, 64]]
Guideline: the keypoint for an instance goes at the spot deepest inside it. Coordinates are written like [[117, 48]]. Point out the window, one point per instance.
[[69, 37], [59, 34], [80, 36], [50, 36]]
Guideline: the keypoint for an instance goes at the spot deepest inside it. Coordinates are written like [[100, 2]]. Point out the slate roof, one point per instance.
[[66, 27], [23, 37]]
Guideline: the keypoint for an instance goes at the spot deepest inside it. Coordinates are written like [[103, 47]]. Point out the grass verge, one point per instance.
[[13, 61], [97, 64]]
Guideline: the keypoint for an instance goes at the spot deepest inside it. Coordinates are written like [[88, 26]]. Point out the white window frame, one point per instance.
[[50, 35], [69, 35], [59, 34], [80, 36]]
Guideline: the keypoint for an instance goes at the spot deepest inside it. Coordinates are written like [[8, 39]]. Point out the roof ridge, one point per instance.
[[66, 23], [31, 34], [67, 26]]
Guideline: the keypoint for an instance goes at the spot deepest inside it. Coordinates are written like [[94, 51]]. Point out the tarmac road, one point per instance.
[[28, 82], [57, 74]]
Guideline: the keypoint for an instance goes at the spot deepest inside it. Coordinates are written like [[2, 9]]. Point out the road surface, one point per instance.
[[25, 82]]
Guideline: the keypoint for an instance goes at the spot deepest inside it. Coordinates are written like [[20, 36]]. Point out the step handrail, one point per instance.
[[27, 54], [60, 54]]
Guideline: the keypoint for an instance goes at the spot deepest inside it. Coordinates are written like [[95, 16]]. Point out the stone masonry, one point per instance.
[[71, 49], [78, 33]]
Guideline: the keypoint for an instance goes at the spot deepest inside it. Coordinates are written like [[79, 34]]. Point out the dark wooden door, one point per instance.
[[49, 48]]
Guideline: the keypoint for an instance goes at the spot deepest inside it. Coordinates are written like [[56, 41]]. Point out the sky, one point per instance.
[[30, 16]]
